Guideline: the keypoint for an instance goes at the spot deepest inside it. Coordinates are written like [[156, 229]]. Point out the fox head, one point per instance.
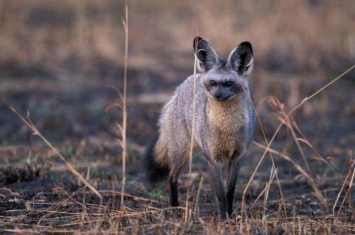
[[223, 80]]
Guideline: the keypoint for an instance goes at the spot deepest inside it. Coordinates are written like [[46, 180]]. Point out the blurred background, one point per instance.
[[58, 60]]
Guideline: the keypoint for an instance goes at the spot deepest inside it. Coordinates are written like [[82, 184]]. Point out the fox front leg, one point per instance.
[[218, 187], [233, 172]]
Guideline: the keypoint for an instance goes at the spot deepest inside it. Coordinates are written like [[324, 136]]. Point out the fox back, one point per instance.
[[224, 122]]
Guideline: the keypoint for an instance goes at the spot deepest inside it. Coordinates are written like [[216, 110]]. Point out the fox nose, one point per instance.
[[220, 96]]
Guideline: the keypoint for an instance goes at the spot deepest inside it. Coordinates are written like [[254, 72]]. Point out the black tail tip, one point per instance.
[[155, 172]]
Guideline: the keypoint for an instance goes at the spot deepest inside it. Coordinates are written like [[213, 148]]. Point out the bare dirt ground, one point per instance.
[[304, 183]]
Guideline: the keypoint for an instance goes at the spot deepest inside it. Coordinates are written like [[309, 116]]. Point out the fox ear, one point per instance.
[[241, 58], [205, 55]]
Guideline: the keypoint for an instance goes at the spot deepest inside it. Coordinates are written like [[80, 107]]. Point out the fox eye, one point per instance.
[[213, 83], [228, 84]]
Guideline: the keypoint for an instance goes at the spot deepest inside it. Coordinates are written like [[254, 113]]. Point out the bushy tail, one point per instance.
[[155, 172]]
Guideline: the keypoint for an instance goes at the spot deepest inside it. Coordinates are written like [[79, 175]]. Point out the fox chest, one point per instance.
[[228, 134]]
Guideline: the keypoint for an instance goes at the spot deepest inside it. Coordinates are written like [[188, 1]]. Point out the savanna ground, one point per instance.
[[60, 59]]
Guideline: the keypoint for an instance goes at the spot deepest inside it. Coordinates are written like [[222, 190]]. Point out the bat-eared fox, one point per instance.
[[224, 123]]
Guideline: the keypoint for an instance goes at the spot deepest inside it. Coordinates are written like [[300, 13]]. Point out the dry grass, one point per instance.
[[293, 183], [300, 35]]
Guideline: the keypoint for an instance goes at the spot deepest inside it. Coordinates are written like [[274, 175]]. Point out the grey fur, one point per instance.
[[224, 120]]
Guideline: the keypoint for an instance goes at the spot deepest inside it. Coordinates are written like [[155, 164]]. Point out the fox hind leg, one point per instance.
[[178, 163], [174, 195], [174, 175]]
